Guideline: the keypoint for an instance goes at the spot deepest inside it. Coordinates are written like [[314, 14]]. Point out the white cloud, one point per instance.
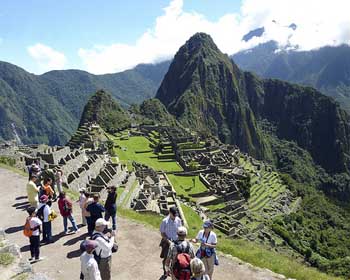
[[46, 57], [319, 23]]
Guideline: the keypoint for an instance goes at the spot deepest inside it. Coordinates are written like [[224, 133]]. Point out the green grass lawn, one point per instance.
[[193, 220], [127, 197], [137, 148], [183, 185]]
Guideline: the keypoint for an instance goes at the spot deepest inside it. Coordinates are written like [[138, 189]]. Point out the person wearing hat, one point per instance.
[[103, 251], [168, 231], [33, 191], [206, 253], [111, 206], [198, 270], [88, 264], [82, 200], [43, 213], [179, 246]]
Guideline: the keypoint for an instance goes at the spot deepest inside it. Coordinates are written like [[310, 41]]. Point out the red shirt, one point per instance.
[[65, 206]]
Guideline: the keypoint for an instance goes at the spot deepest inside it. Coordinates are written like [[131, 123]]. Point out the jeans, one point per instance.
[[34, 246], [65, 223], [114, 218], [47, 231]]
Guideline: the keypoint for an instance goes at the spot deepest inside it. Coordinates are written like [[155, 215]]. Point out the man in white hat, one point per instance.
[[103, 251]]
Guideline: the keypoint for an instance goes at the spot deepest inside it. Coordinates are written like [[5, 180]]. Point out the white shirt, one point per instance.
[[212, 239], [34, 222], [104, 246], [46, 212], [89, 267]]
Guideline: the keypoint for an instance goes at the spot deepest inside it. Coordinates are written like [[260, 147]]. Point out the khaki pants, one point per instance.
[[209, 265], [105, 268], [33, 204]]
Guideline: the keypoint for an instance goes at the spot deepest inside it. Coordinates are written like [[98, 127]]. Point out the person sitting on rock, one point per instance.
[[66, 209], [88, 264]]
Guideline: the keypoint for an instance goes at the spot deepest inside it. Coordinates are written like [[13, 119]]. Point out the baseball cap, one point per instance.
[[101, 222], [173, 210], [44, 198], [182, 230], [90, 244], [208, 224]]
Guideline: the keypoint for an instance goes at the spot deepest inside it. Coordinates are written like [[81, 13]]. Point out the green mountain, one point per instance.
[[104, 110], [206, 91], [203, 90], [47, 108], [327, 68]]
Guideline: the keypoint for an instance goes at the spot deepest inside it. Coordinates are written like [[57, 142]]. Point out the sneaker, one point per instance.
[[75, 231], [30, 259], [39, 259]]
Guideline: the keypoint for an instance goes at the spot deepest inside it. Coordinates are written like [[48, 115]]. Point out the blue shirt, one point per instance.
[[96, 210]]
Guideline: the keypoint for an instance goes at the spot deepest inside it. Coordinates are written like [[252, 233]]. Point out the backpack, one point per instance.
[[27, 231], [40, 213], [181, 267], [94, 237]]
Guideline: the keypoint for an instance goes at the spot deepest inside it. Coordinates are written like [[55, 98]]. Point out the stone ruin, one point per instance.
[[85, 164], [155, 193]]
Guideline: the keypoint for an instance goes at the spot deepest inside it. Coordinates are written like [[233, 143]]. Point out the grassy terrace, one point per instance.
[[184, 185], [137, 148]]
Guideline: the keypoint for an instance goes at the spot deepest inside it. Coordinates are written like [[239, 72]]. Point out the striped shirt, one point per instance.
[[169, 227]]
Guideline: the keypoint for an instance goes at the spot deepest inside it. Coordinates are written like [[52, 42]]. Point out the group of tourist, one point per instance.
[[180, 261], [41, 193]]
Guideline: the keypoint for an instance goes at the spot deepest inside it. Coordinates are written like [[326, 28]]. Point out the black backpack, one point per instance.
[[40, 213]]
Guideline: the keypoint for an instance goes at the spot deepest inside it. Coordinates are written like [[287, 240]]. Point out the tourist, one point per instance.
[[111, 206], [82, 200], [88, 264], [168, 231], [87, 214], [198, 270], [95, 209], [33, 191], [34, 239], [46, 174], [181, 246], [43, 213], [206, 252], [47, 189], [34, 168], [59, 180], [66, 209], [105, 244]]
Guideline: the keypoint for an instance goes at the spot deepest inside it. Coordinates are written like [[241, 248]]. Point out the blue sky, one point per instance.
[[111, 36]]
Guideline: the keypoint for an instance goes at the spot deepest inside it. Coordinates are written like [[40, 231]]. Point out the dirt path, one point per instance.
[[138, 256]]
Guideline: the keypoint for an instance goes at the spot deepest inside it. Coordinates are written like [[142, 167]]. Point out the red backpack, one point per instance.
[[181, 268]]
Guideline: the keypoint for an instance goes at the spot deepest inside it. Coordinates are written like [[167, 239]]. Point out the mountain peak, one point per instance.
[[198, 42]]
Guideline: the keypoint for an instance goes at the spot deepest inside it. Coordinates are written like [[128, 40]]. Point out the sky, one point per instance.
[[111, 36]]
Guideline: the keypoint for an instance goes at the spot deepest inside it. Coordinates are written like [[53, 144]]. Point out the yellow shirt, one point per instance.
[[32, 192]]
